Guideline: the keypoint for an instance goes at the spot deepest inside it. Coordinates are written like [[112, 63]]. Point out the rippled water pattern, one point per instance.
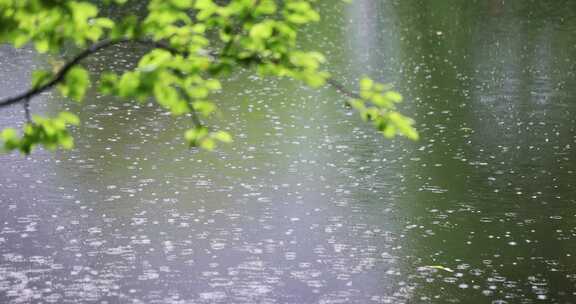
[[310, 205]]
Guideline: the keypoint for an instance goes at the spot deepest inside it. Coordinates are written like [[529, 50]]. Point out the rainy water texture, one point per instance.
[[310, 205]]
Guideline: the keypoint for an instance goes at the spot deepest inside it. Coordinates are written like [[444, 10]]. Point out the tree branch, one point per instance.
[[61, 74], [342, 89]]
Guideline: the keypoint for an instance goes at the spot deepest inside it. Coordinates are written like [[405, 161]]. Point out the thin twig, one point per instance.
[[27, 114], [342, 89], [195, 118], [193, 114]]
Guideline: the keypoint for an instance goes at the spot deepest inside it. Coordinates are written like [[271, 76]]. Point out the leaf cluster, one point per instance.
[[52, 133], [192, 44], [377, 104]]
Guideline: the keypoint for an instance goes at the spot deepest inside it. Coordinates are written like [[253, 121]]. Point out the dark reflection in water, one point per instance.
[[310, 205]]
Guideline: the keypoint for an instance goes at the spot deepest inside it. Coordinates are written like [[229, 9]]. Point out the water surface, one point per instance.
[[310, 205]]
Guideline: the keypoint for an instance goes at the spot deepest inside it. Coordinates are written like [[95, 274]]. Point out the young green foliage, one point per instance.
[[377, 104], [48, 132], [75, 83], [202, 137], [49, 24], [192, 43]]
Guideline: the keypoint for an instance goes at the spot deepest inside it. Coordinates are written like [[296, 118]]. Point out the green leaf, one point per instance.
[[9, 134], [266, 7], [207, 144], [75, 83], [69, 118], [223, 136], [213, 84], [181, 4], [393, 96], [82, 11], [195, 135], [261, 30], [198, 92], [42, 45], [108, 82], [67, 142], [366, 84], [389, 131], [104, 22], [128, 84], [40, 77], [204, 107], [165, 95]]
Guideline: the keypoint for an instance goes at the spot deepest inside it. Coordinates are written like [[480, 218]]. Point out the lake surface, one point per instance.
[[311, 205]]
